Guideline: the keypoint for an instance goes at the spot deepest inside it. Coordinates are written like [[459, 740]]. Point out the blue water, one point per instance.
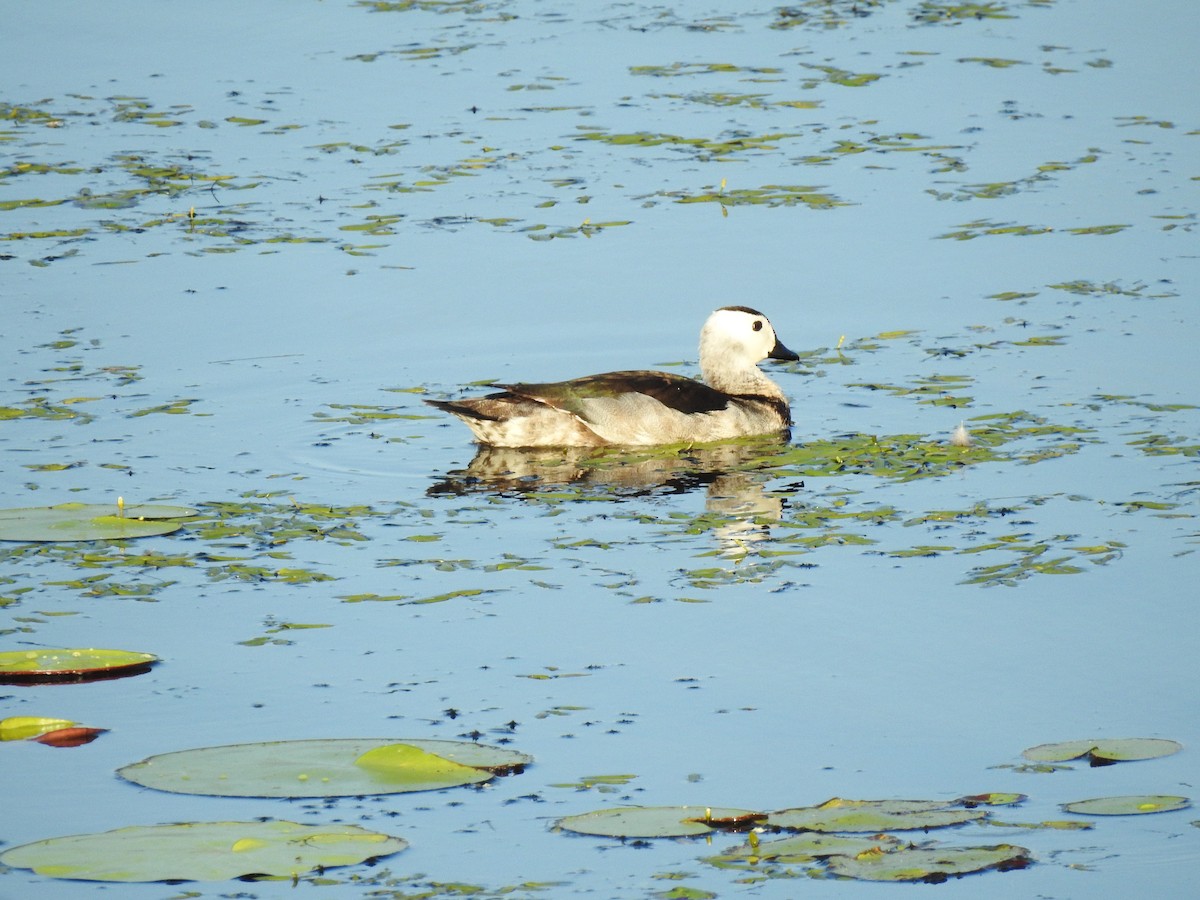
[[846, 671]]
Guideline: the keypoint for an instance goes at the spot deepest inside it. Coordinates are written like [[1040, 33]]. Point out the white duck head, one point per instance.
[[734, 340]]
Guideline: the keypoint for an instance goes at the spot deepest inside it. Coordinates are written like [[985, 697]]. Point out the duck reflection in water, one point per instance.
[[733, 476]]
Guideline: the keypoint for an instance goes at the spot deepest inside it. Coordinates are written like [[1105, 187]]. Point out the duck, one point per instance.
[[645, 408]]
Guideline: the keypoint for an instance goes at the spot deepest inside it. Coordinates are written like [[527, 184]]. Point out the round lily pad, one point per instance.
[[873, 816], [933, 864], [1103, 751], [90, 522], [1128, 806], [70, 664], [202, 851], [659, 821], [337, 767]]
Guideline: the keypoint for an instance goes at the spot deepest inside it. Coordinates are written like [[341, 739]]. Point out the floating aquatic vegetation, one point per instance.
[[90, 521], [931, 864], [202, 851], [29, 204], [49, 665], [1098, 229], [1109, 289], [659, 821], [17, 114], [756, 855], [585, 229], [1163, 445], [931, 12], [1126, 121], [1034, 558], [705, 148], [993, 62], [903, 457], [981, 227], [262, 520], [872, 816], [833, 816], [438, 6], [935, 390], [826, 14], [881, 857], [178, 407], [1138, 805], [995, 190], [44, 408], [276, 627], [604, 784], [698, 68], [834, 75], [51, 732], [1103, 751], [769, 195], [387, 148], [750, 101], [22, 728], [415, 52], [335, 767]]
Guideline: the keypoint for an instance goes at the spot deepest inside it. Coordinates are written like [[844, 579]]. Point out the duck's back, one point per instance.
[[636, 408]]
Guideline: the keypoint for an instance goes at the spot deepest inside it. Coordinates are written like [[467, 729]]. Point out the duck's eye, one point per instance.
[[757, 326]]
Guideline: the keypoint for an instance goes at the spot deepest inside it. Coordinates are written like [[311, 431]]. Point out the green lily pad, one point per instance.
[[1128, 806], [90, 522], [659, 821], [338, 767], [70, 664], [1103, 752], [873, 815], [202, 851], [932, 864]]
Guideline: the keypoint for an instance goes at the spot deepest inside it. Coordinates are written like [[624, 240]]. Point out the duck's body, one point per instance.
[[643, 408]]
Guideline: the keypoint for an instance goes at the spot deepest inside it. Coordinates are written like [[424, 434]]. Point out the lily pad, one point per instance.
[[46, 665], [1128, 806], [202, 851], [800, 849], [338, 767], [931, 864], [660, 821], [90, 522], [22, 728], [1103, 752], [873, 815]]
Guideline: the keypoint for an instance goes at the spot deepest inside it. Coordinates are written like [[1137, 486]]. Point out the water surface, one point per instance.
[[241, 242]]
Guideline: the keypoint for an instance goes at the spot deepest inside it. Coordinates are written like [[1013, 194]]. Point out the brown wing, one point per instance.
[[674, 391]]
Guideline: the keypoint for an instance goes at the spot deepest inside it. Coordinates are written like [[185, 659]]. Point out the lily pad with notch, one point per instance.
[[335, 767], [1103, 751], [660, 821]]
